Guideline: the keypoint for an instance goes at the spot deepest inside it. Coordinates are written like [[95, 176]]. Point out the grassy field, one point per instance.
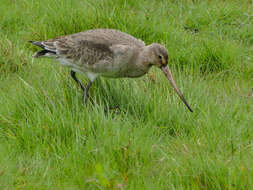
[[49, 140]]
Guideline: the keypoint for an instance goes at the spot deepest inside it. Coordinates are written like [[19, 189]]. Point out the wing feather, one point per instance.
[[89, 46]]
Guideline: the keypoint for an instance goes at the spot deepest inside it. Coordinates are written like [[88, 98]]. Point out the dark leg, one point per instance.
[[73, 75], [85, 92]]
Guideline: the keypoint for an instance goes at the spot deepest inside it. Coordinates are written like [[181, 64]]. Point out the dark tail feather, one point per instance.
[[43, 52], [37, 43]]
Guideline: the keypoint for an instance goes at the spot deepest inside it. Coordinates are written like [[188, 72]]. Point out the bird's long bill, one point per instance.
[[167, 72]]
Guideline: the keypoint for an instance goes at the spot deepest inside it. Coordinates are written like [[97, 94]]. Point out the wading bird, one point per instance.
[[108, 53]]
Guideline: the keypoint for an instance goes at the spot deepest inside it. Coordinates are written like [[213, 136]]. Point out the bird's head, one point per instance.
[[159, 58], [159, 54]]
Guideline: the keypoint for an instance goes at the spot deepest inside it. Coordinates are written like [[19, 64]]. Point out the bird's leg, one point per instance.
[[73, 75], [85, 92]]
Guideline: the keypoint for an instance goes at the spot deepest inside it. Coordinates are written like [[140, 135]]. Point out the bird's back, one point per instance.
[[108, 37], [97, 40]]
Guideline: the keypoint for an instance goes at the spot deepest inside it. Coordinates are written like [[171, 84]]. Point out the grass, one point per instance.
[[49, 140]]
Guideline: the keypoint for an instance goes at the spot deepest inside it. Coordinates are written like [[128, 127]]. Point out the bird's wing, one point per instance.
[[92, 41], [75, 49]]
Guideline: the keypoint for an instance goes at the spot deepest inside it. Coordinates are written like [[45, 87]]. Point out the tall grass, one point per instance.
[[136, 134]]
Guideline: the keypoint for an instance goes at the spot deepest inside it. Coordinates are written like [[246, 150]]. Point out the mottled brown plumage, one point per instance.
[[107, 53]]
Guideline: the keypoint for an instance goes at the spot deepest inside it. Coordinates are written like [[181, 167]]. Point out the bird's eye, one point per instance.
[[160, 57]]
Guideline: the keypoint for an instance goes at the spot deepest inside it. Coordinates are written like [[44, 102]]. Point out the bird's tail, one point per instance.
[[45, 52]]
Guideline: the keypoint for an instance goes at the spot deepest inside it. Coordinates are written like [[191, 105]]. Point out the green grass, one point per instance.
[[49, 140]]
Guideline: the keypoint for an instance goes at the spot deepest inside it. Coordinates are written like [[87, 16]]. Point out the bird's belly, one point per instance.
[[111, 69], [72, 65], [122, 70], [65, 62]]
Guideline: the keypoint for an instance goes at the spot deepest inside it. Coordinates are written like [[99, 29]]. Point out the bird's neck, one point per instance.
[[146, 55]]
